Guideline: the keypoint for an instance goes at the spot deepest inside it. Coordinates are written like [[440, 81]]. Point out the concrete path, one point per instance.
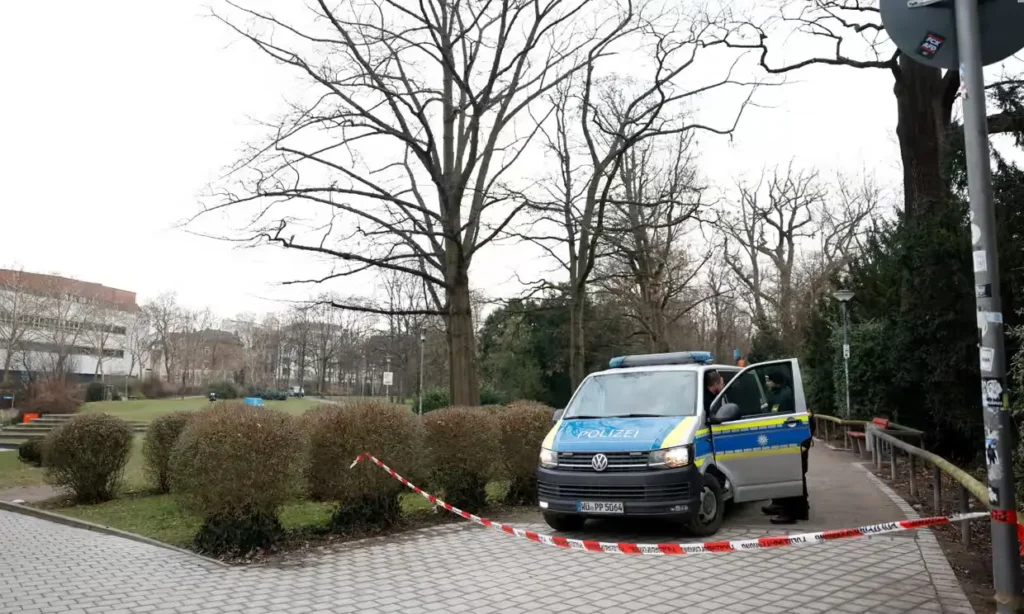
[[461, 568]]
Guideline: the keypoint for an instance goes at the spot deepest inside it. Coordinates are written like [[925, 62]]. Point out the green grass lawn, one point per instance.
[[160, 517], [145, 410], [15, 473]]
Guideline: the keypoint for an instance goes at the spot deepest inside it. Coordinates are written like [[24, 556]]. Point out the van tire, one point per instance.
[[705, 521], [564, 522]]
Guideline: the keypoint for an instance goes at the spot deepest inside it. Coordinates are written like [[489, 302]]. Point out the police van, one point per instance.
[[645, 438]]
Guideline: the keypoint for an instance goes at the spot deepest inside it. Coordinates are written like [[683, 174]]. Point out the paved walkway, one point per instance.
[[461, 568]]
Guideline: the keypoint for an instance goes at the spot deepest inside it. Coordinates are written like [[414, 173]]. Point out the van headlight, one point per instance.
[[548, 458], [679, 456]]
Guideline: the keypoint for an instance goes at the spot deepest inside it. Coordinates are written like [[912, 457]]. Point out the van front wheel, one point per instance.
[[708, 517], [563, 522]]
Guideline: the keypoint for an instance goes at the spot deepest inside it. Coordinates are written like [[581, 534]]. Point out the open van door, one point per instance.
[[758, 446]]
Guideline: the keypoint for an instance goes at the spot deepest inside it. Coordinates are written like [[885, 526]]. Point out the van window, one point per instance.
[[636, 393]]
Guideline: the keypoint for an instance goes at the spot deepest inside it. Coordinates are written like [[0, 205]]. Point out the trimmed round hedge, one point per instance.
[[161, 436], [236, 465], [87, 455], [523, 426], [366, 496], [462, 450]]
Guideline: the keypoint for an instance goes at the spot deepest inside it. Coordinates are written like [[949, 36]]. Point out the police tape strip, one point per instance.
[[669, 549]]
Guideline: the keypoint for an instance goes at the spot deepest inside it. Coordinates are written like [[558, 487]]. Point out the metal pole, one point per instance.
[[423, 342], [846, 358], [388, 387], [1005, 549]]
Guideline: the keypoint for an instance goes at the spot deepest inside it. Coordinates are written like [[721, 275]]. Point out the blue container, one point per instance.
[[254, 401]]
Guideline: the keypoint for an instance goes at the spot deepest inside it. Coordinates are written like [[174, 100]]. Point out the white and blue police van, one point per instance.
[[646, 438]]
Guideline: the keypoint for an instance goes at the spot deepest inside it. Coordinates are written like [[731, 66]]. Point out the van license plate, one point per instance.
[[600, 507]]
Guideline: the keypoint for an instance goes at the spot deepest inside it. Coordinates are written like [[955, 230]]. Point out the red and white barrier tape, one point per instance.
[[761, 543]]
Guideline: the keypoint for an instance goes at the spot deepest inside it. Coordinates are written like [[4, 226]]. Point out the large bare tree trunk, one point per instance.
[[577, 339], [922, 128], [463, 382]]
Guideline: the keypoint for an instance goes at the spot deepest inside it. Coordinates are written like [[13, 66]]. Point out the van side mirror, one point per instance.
[[726, 413], [557, 415]]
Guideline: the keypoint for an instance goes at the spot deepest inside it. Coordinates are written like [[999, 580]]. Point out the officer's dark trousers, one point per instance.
[[798, 507]]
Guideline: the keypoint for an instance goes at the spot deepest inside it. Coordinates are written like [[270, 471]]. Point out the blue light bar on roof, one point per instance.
[[668, 358]]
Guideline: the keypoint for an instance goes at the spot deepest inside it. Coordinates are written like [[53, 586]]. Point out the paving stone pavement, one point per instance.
[[46, 567]]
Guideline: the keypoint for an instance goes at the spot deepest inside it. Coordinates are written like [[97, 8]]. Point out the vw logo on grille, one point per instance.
[[599, 462]]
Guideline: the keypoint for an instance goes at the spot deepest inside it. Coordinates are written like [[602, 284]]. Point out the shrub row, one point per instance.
[[235, 465]]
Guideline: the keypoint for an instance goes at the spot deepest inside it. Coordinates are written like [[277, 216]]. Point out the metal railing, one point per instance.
[[883, 444], [827, 425]]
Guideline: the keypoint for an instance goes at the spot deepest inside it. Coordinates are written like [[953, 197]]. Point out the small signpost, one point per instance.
[[388, 378]]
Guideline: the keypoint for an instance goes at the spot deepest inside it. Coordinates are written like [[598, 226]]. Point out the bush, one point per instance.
[[491, 396], [51, 396], [236, 465], [225, 389], [95, 391], [438, 398], [155, 388], [433, 399], [523, 426], [87, 455], [367, 496], [462, 448], [161, 436], [30, 451]]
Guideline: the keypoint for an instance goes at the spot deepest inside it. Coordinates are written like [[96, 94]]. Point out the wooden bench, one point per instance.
[[858, 436]]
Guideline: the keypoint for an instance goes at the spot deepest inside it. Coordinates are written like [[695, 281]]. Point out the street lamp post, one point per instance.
[[423, 343], [844, 296]]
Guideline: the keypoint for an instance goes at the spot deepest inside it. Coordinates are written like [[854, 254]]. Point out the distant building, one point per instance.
[[201, 357], [54, 324]]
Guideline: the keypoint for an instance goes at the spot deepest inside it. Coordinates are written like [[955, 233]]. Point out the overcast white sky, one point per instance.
[[116, 114]]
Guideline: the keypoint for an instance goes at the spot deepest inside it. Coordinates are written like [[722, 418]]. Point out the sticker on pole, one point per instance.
[[674, 549]]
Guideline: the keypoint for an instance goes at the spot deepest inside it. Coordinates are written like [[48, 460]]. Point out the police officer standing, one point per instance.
[[789, 509]]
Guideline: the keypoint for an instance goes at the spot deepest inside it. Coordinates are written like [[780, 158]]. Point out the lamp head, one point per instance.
[[843, 295]]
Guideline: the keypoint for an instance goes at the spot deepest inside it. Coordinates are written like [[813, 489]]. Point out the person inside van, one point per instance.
[[713, 384], [780, 394]]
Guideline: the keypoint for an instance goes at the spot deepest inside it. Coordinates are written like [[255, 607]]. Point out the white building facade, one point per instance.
[[52, 324]]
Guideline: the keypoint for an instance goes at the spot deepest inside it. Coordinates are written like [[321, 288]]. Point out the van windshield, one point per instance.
[[635, 393]]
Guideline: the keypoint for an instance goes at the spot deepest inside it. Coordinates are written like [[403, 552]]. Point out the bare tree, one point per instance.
[[762, 233], [164, 315], [596, 123], [99, 334], [19, 308], [332, 331], [189, 344], [139, 340], [853, 33], [648, 267], [441, 85], [841, 220], [254, 348], [298, 339], [63, 322]]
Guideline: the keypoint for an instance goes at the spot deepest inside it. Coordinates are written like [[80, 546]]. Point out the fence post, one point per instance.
[[892, 460], [913, 475], [965, 525], [937, 488]]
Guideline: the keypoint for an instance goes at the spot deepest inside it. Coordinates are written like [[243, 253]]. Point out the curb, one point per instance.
[[98, 528]]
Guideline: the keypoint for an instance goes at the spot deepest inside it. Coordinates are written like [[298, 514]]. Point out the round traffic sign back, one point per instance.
[[928, 33]]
